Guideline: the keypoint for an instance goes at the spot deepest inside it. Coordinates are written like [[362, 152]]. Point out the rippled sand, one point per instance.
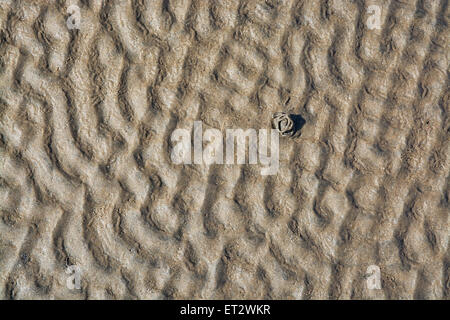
[[86, 178]]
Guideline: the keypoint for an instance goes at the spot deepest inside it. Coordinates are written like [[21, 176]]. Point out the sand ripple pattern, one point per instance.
[[85, 171]]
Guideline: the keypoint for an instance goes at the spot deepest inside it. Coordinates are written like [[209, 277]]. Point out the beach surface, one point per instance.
[[93, 207]]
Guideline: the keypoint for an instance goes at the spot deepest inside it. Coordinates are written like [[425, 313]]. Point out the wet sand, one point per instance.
[[86, 177]]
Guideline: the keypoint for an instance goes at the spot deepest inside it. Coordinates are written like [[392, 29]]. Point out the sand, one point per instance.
[[87, 182]]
